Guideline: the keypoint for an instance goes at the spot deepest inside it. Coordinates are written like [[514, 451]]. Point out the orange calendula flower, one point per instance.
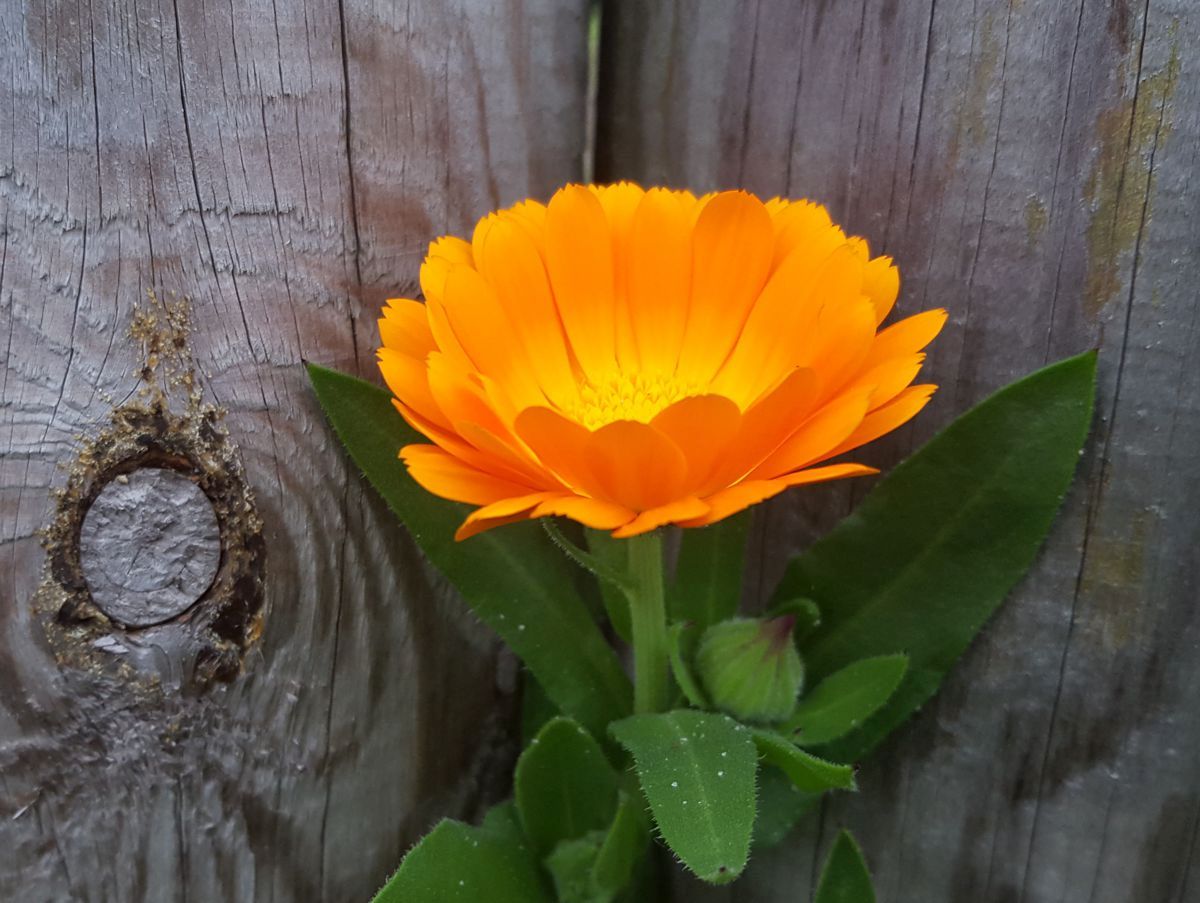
[[632, 358]]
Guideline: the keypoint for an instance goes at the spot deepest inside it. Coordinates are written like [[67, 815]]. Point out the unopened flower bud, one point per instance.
[[750, 668]]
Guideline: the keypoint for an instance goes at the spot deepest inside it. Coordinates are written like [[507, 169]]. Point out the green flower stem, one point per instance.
[[648, 618]]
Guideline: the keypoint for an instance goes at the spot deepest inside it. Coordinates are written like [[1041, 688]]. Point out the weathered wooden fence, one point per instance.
[[1033, 167]]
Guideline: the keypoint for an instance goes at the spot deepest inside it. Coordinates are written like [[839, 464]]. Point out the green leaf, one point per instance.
[[571, 865], [536, 708], [708, 578], [512, 577], [809, 773], [613, 555], [697, 772], [780, 805], [935, 547], [681, 642], [845, 699], [563, 785], [845, 878], [455, 863], [623, 846]]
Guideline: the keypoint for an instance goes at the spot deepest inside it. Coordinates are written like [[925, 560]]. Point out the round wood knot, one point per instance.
[[149, 546]]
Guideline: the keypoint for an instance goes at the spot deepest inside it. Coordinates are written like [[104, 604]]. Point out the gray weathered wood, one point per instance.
[[281, 165], [1033, 168]]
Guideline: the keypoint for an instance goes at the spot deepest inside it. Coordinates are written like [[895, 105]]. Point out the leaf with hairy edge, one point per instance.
[[456, 863], [936, 546], [708, 578], [697, 772], [809, 773], [512, 578], [845, 878], [563, 785], [845, 699]]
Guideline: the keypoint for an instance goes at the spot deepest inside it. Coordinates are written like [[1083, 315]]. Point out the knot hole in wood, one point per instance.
[[149, 546]]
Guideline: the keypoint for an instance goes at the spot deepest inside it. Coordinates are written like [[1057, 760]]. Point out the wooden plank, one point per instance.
[[281, 165], [1032, 167]]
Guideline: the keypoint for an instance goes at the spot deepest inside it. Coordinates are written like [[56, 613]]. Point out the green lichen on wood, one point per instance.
[[1120, 188], [1035, 220]]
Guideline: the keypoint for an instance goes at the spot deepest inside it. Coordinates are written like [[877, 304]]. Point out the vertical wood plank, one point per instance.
[[282, 165], [1031, 166]]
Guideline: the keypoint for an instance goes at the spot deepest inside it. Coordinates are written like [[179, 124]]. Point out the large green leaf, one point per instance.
[[697, 772], [845, 878], [936, 546], [456, 863], [809, 773], [845, 699], [563, 785], [512, 577], [708, 579]]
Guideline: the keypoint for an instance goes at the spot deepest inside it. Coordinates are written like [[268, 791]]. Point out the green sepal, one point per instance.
[[806, 613]]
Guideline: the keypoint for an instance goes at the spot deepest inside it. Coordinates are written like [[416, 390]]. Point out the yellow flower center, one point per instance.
[[629, 396]]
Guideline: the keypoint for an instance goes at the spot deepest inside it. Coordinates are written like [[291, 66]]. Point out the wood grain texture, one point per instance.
[[282, 165], [1032, 167]]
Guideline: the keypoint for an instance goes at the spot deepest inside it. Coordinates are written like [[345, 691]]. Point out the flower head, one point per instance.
[[632, 358]]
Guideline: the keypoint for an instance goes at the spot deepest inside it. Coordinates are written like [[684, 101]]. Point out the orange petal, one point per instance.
[[659, 278], [459, 447], [505, 511], [404, 327], [892, 415], [408, 380], [620, 202], [881, 283], [589, 512], [825, 429], [444, 253], [446, 476], [559, 444], [766, 425], [487, 335], [673, 512], [889, 378], [737, 498], [805, 228], [509, 260], [779, 333], [703, 427], [846, 332], [579, 257], [732, 241], [908, 335], [634, 465]]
